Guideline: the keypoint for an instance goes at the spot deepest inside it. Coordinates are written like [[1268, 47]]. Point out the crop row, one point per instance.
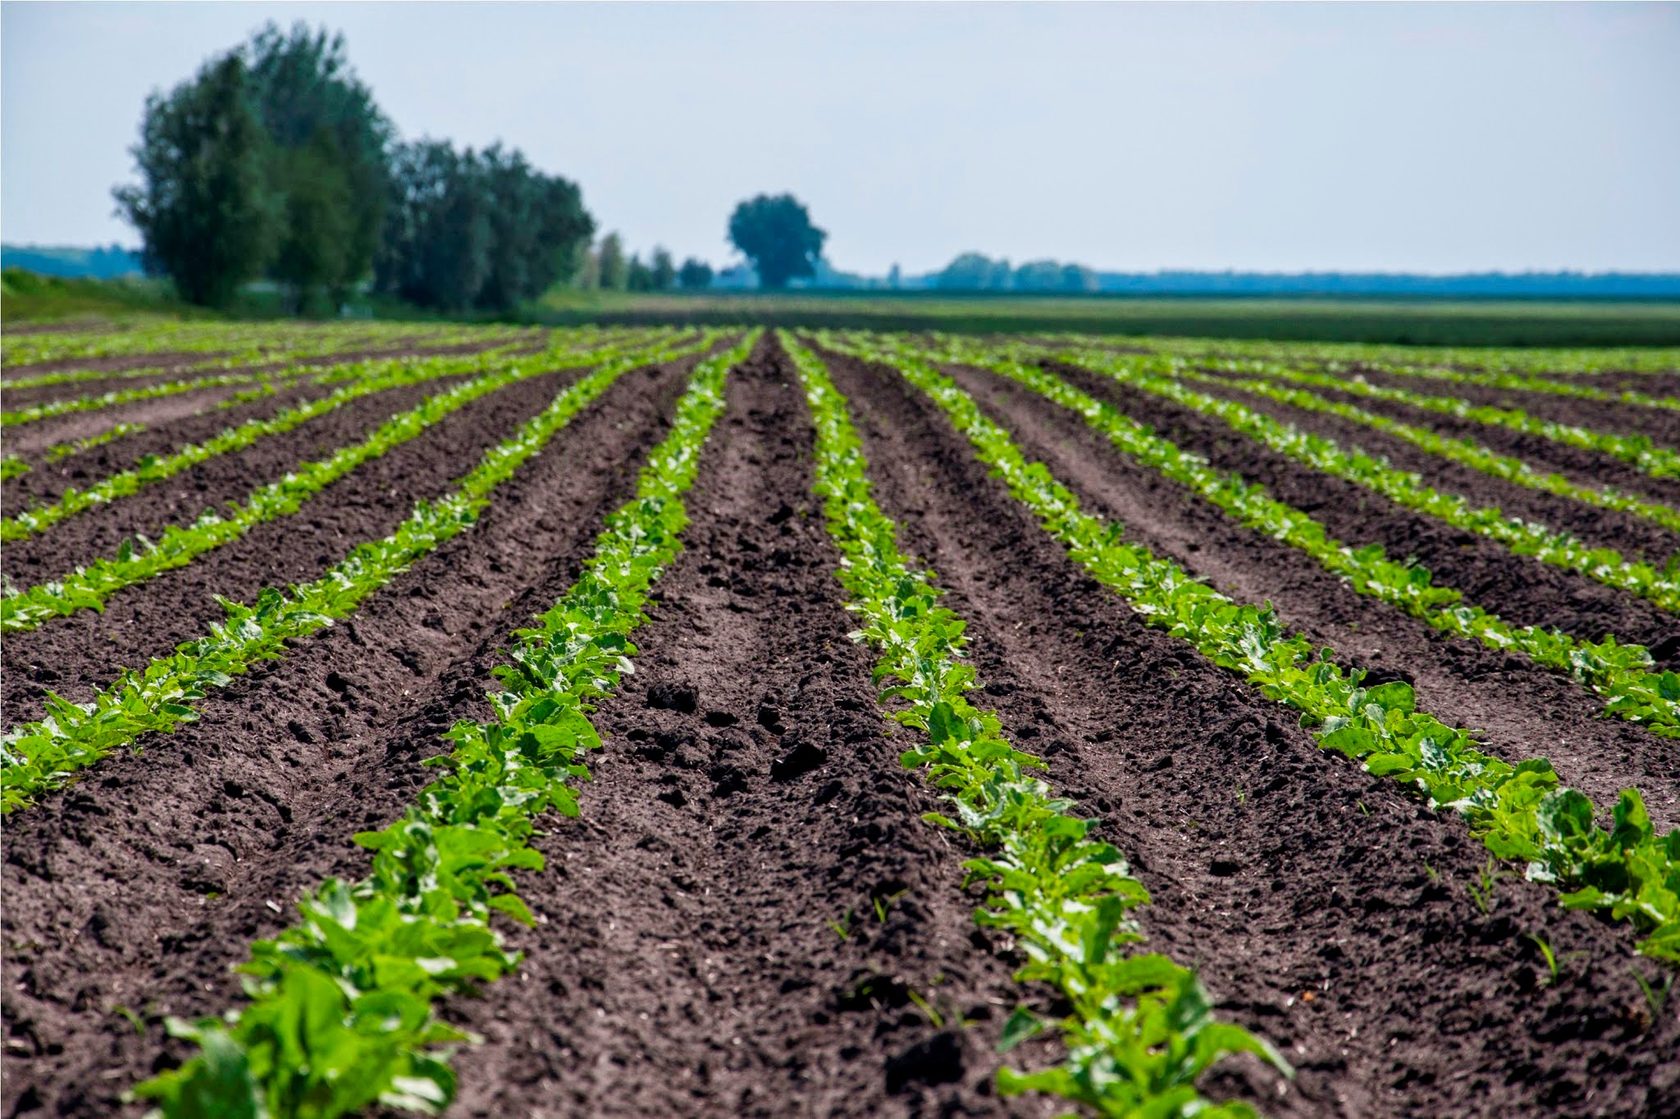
[[1138, 1030], [1466, 452], [89, 586], [1620, 673], [42, 755], [1405, 488], [341, 1012], [1639, 451], [1572, 364], [306, 349], [174, 337], [1521, 812], [376, 376]]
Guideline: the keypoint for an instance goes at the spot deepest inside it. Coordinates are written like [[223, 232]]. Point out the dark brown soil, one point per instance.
[[78, 654], [1587, 467], [1524, 590], [1520, 708], [748, 796], [1618, 418], [1325, 908], [143, 884]]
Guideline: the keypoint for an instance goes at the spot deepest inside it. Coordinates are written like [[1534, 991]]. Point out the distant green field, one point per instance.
[[1420, 322]]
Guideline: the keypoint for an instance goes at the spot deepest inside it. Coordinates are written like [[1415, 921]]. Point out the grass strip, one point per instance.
[[1139, 1028], [88, 587], [1620, 673], [1520, 812], [39, 756], [377, 377], [342, 1005], [1403, 487], [1638, 451]]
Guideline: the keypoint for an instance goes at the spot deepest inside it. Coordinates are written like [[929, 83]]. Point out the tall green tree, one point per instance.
[[664, 269], [330, 162], [615, 270], [695, 274], [436, 248], [203, 206], [776, 234]]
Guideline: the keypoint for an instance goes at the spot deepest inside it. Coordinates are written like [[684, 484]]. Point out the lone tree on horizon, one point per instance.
[[776, 234]]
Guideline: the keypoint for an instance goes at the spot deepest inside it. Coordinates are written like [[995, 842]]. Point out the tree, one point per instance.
[[614, 270], [974, 272], [664, 271], [202, 207], [330, 161], [776, 234], [436, 248], [694, 274], [640, 277]]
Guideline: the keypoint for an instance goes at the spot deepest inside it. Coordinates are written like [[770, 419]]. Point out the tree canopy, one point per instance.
[[776, 234], [203, 205]]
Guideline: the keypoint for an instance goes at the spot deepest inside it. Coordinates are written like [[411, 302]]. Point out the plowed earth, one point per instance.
[[750, 917]]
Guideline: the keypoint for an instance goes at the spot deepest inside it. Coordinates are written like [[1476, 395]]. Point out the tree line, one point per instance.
[[275, 163]]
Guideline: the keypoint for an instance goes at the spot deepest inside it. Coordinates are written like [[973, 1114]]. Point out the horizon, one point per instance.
[[1020, 132]]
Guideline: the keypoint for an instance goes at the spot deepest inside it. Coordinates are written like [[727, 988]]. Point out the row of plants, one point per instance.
[[93, 402], [1574, 364], [157, 335], [1639, 451], [1405, 488], [88, 587], [1521, 812], [374, 377], [342, 1009], [1516, 382], [304, 350], [1466, 452], [1138, 1028], [1621, 674], [43, 755], [13, 466]]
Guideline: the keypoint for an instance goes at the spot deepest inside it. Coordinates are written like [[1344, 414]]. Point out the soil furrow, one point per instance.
[[1520, 709], [1522, 589], [141, 885], [1598, 415], [76, 655], [747, 797], [1574, 463], [29, 440], [212, 484], [1634, 536], [1327, 909]]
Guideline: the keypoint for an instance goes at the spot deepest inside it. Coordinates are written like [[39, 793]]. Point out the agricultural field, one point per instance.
[[622, 720]]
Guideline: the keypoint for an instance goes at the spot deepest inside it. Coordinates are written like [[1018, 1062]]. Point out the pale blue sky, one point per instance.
[[1397, 137]]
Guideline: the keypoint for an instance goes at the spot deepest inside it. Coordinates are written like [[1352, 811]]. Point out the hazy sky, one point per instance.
[[1397, 137]]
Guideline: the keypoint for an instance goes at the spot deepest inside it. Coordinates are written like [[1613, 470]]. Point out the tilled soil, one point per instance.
[[749, 918], [77, 654], [710, 942], [1524, 590], [1579, 465], [1325, 908], [1519, 708], [140, 886]]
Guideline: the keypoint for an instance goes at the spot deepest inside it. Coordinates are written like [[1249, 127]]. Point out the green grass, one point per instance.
[[1420, 322], [30, 297]]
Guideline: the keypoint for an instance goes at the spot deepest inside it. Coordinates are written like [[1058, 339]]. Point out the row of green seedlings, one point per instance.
[[1521, 812], [1639, 451], [90, 586], [377, 376], [304, 350], [1621, 674], [1460, 451], [1466, 452], [1139, 1028], [1522, 362], [342, 1012], [180, 337], [1404, 488], [321, 369], [1515, 382], [39, 756]]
